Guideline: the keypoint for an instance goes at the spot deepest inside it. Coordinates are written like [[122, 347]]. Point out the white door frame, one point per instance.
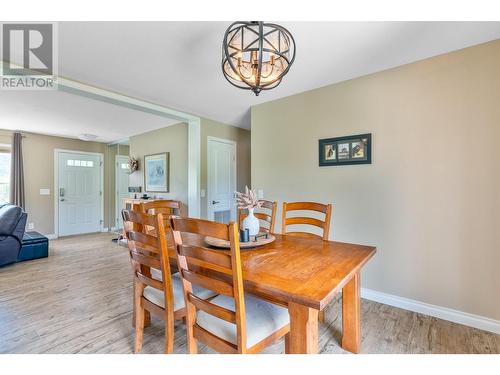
[[57, 151], [117, 201], [235, 169]]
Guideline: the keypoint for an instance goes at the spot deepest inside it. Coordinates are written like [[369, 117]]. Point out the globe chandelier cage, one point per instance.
[[257, 55]]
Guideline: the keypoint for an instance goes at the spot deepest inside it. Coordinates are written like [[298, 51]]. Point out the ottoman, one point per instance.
[[35, 245]]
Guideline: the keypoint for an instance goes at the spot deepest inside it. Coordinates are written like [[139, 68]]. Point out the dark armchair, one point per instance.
[[12, 225]]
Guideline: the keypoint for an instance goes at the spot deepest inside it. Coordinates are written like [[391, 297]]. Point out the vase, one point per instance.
[[251, 223]]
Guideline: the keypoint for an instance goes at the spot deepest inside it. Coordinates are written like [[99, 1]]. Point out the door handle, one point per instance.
[[62, 199], [215, 202]]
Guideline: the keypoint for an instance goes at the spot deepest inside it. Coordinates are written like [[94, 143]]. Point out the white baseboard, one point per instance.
[[51, 236], [445, 313]]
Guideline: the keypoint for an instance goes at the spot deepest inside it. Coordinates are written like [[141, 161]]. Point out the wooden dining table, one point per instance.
[[304, 275]]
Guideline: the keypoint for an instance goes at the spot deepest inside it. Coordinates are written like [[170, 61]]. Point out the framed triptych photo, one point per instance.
[[355, 149]]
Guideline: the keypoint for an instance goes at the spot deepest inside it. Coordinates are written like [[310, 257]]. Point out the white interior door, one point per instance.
[[121, 186], [79, 193], [221, 180]]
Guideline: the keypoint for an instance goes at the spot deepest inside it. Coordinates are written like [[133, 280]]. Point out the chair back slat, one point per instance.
[[144, 241], [137, 218], [302, 234], [146, 260], [215, 310], [307, 206], [229, 282], [266, 215], [297, 220], [210, 256], [325, 209], [202, 228], [206, 282], [157, 284]]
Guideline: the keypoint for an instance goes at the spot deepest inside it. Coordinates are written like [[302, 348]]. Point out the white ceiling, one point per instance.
[[177, 64], [67, 115]]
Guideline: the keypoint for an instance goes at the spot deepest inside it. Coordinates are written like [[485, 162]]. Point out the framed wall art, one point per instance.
[[353, 149], [156, 172]]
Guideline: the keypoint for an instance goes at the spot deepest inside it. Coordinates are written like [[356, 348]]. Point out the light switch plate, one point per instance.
[[202, 193], [44, 191], [31, 226]]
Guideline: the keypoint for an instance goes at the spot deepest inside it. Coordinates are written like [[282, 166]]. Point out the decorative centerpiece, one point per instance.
[[248, 200]]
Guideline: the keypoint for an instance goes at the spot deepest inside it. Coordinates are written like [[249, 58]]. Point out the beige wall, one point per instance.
[[5, 137], [38, 157], [430, 201], [211, 128], [172, 139]]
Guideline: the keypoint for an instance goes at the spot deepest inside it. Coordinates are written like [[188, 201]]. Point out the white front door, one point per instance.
[[121, 185], [221, 180], [79, 193]]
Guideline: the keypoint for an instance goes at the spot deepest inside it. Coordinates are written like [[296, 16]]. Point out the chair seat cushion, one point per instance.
[[262, 319], [158, 298]]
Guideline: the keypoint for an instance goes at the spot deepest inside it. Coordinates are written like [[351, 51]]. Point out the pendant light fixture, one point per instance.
[[256, 55]]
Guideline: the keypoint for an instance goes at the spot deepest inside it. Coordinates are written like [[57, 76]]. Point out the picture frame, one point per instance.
[[157, 172], [348, 150]]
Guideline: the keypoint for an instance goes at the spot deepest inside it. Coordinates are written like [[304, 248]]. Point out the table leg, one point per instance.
[[351, 315], [303, 329]]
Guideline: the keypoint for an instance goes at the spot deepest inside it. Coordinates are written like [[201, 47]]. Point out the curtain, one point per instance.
[[16, 171]]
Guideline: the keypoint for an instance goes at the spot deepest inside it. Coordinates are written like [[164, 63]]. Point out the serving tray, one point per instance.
[[261, 241]]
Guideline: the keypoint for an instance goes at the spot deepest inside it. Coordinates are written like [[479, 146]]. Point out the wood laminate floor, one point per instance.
[[79, 301]]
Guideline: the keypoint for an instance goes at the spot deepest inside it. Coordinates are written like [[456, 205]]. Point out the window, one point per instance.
[[4, 177], [80, 163]]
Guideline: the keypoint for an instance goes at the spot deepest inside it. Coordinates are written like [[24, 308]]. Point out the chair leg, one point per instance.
[[321, 316], [169, 333], [287, 343], [147, 318], [192, 343], [139, 327]]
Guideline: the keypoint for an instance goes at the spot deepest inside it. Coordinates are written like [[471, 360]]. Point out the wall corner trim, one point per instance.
[[455, 316]]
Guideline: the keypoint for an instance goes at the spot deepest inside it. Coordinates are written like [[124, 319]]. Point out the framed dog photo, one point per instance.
[[354, 149]]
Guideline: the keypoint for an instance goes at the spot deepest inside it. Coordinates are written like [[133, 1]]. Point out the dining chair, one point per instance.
[[324, 224], [166, 207], [156, 291], [266, 216], [232, 322]]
